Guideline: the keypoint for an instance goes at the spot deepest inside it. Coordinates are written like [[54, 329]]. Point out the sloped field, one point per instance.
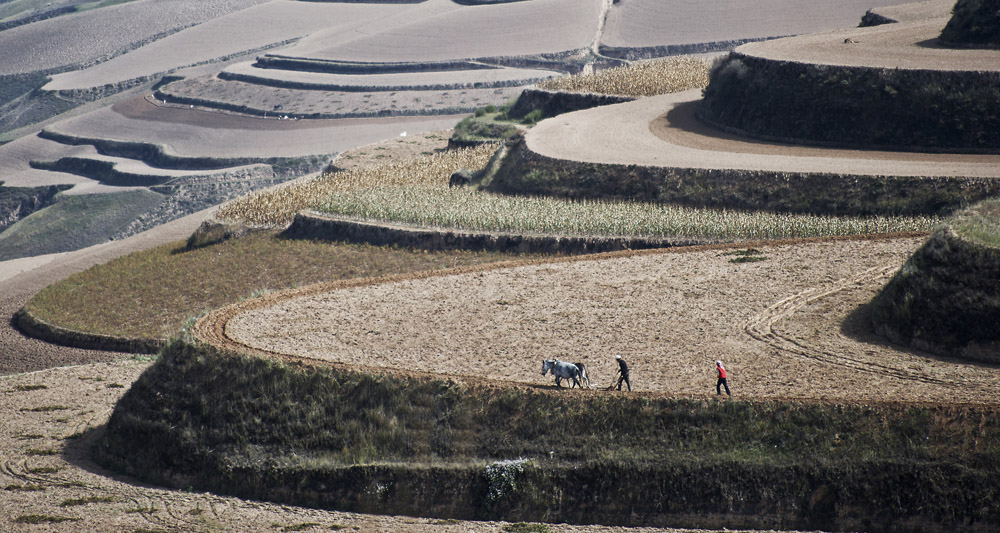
[[253, 28], [643, 23], [451, 31], [99, 34], [792, 324]]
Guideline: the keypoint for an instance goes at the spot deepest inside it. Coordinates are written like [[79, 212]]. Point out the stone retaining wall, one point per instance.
[[526, 172]]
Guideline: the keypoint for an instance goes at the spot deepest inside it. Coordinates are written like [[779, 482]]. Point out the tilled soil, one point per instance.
[[793, 325]]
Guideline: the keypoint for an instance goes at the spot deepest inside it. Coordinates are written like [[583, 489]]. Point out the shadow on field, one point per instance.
[[858, 326]]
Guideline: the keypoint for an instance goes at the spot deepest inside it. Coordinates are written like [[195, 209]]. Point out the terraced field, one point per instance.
[[791, 322], [95, 35], [641, 24]]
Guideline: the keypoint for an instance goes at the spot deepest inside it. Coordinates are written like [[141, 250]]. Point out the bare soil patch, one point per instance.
[[98, 34], [906, 45], [254, 98], [792, 326], [644, 133], [192, 132], [656, 23], [440, 30]]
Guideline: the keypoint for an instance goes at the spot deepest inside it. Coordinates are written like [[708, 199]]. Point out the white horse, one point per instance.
[[562, 370]]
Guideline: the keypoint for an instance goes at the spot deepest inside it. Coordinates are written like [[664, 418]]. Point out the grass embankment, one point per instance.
[[870, 108], [157, 291], [74, 222], [973, 23], [19, 202], [473, 210], [527, 173], [946, 297], [258, 428], [489, 124]]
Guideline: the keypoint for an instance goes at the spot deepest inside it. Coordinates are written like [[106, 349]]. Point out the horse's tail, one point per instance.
[[583, 374]]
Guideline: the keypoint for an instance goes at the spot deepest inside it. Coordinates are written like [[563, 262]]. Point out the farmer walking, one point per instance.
[[623, 373], [722, 379]]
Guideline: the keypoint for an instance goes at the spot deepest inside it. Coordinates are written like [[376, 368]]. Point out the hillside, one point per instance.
[[946, 297]]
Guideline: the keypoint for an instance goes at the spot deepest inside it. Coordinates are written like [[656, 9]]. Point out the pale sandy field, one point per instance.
[[253, 28], [666, 22], [190, 132], [401, 81], [98, 34], [661, 131], [340, 103], [441, 29]]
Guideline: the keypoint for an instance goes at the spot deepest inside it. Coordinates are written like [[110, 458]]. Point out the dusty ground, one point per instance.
[[791, 326], [336, 103], [910, 45], [661, 131], [658, 23]]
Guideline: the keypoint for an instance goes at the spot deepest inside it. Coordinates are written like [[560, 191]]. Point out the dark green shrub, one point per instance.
[[973, 23]]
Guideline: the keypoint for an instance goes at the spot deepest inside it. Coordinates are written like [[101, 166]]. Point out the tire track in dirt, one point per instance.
[[763, 328]]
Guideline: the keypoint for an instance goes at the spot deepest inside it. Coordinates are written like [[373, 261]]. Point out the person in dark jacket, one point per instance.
[[722, 379], [623, 373]]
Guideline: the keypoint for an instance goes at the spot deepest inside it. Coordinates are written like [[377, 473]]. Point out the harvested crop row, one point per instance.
[[640, 79], [278, 206], [471, 210]]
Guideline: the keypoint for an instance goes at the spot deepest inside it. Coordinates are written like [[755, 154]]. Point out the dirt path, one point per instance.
[[661, 131]]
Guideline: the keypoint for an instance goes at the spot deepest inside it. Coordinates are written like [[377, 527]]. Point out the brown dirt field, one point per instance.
[[658, 23], [335, 103], [907, 45], [441, 30], [197, 132], [793, 326], [660, 131]]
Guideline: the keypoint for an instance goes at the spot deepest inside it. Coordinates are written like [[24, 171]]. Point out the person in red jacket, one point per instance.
[[722, 379]]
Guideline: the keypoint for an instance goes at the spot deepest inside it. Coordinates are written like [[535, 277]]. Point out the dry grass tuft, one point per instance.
[[647, 78]]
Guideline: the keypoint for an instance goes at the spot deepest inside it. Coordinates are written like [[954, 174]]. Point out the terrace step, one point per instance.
[[125, 172], [417, 81], [254, 99]]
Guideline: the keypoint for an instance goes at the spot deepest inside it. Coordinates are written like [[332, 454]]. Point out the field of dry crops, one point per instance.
[[646, 78], [279, 205], [439, 206]]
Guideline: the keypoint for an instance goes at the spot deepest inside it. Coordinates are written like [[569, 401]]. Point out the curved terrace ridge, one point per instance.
[[500, 320], [660, 131]]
